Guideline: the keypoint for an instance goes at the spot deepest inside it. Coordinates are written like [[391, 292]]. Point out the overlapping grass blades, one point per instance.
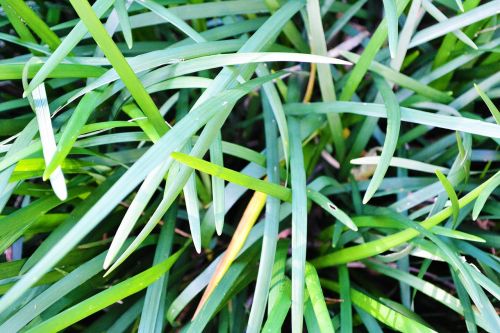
[[212, 130]]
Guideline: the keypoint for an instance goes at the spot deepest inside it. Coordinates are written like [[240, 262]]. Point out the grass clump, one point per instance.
[[249, 165]]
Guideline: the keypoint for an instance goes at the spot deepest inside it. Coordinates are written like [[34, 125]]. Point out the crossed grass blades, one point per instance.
[[249, 165]]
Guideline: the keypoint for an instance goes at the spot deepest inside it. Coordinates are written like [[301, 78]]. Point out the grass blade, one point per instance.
[[317, 299], [48, 141], [493, 109], [134, 85], [275, 190], [37, 25], [173, 19], [71, 131], [121, 10], [299, 225], [451, 194], [391, 137], [392, 25], [270, 237], [107, 297], [456, 22]]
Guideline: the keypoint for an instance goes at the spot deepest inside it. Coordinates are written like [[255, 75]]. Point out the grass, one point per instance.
[[209, 166]]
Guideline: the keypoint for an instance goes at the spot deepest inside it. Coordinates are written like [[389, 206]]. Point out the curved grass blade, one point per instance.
[[451, 194], [483, 196], [427, 288], [56, 291], [391, 137], [279, 311], [183, 130], [143, 196], [399, 162], [276, 106], [181, 177], [203, 63], [361, 67], [191, 199], [401, 79], [489, 103]]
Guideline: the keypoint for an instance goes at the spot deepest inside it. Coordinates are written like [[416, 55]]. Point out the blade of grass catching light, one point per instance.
[[391, 137], [155, 155], [402, 80], [299, 225], [483, 196], [141, 199], [48, 141], [240, 235], [451, 194], [489, 103], [37, 25], [359, 70], [472, 16], [218, 185], [399, 162], [221, 99], [275, 190], [152, 315], [375, 247], [115, 57], [461, 124], [384, 314], [271, 227], [173, 19], [279, 311], [317, 299], [318, 46], [109, 296], [121, 11], [440, 17], [71, 132], [67, 45], [277, 108], [392, 25]]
